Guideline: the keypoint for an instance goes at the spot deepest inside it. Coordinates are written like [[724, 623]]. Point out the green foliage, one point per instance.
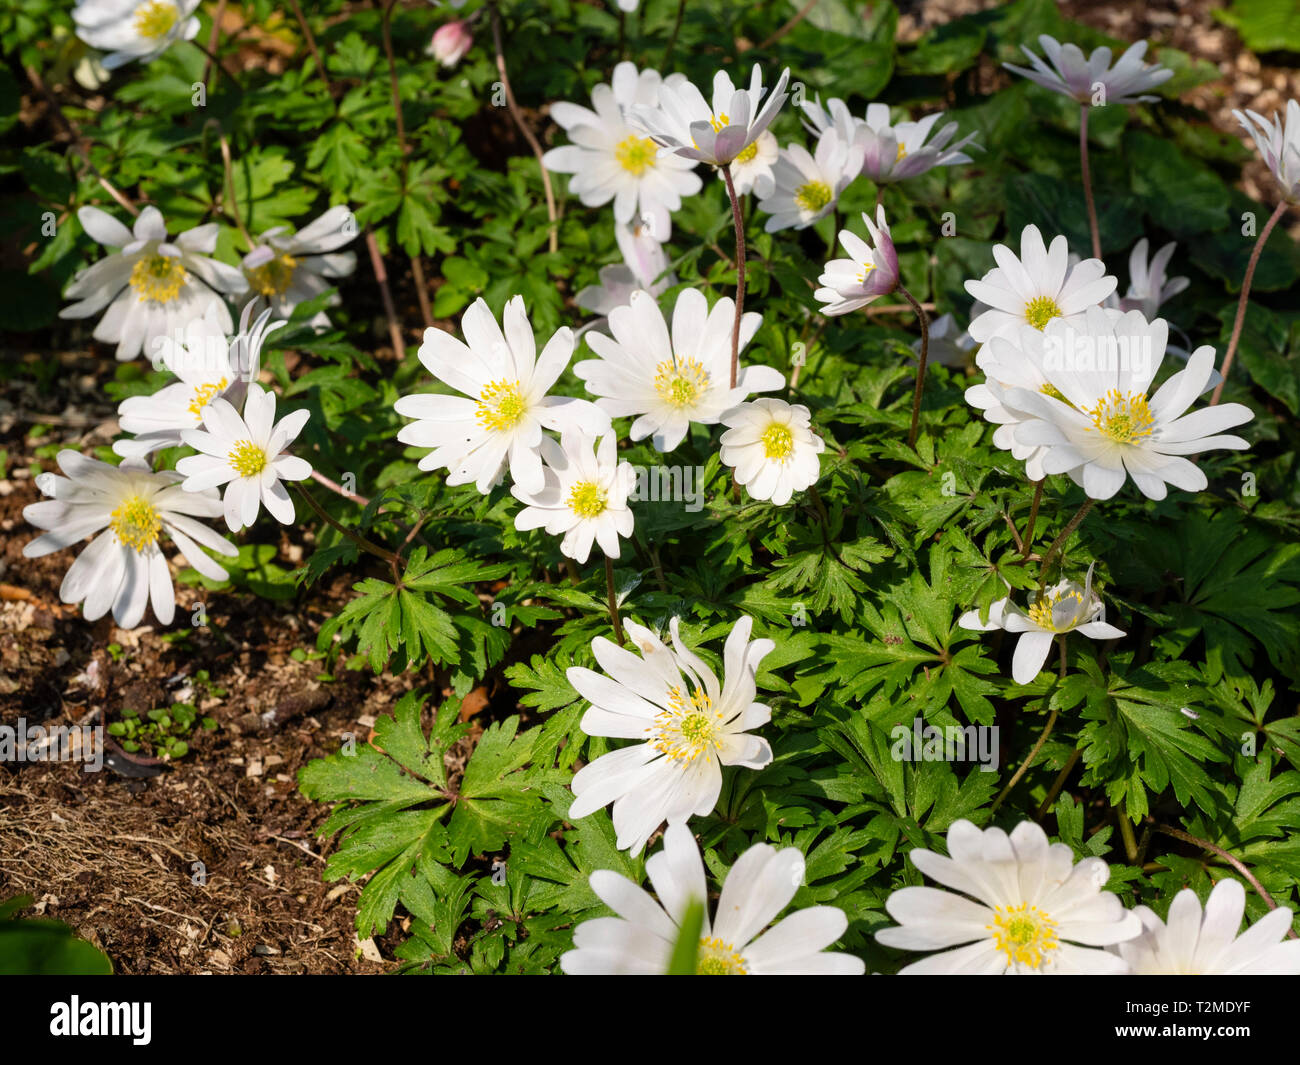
[[33, 946]]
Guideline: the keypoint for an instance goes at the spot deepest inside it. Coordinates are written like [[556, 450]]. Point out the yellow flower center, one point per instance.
[[778, 442], [587, 499], [501, 405], [202, 394], [813, 196], [1025, 934], [155, 19], [247, 458], [866, 269], [719, 122], [718, 958], [1049, 389], [681, 384], [747, 153], [136, 523], [688, 728], [1041, 310], [1042, 611], [1125, 419], [158, 277], [902, 153], [275, 277], [636, 154]]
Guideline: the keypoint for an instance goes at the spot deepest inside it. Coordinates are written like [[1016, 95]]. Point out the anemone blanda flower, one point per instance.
[[248, 455], [1025, 908], [712, 131], [689, 726], [751, 170], [585, 495], [207, 365], [1093, 417], [890, 151], [1065, 607], [640, 940], [1149, 286], [450, 42], [1091, 79], [123, 569], [806, 187], [1198, 942], [612, 159], [1036, 288], [134, 29], [498, 420], [288, 269], [151, 286], [771, 446], [1279, 143], [644, 267], [670, 382], [870, 272]]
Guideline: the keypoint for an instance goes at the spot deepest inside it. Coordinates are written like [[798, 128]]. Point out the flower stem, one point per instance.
[[1245, 297], [739, 225], [361, 542], [672, 37], [1058, 784], [311, 47], [1033, 518], [1087, 181], [390, 311], [233, 203], [1057, 544], [1024, 766], [1126, 831], [613, 600], [924, 319]]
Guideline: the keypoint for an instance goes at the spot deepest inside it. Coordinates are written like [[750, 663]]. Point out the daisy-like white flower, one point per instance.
[[1205, 943], [1095, 421], [1091, 79], [124, 569], [640, 940], [711, 131], [644, 268], [771, 446], [870, 271], [134, 29], [151, 286], [1065, 607], [1025, 908], [286, 270], [1036, 288], [1279, 143], [806, 187], [208, 365], [889, 151], [504, 406], [751, 170], [670, 382], [612, 159], [689, 726], [246, 454], [1149, 286], [585, 495]]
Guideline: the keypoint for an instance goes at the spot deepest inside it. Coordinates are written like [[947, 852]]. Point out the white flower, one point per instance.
[[152, 287], [1036, 288], [1065, 607], [1091, 79], [612, 159], [806, 187], [751, 170], [504, 406], [247, 455], [886, 151], [450, 42], [1030, 908], [1196, 943], [644, 268], [1279, 143], [772, 448], [1094, 418], [585, 495], [1148, 287], [670, 383], [134, 29], [870, 272], [689, 725], [125, 569], [640, 940], [288, 270], [208, 365], [713, 132]]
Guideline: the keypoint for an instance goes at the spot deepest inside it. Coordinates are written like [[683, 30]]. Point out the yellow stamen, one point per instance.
[[902, 154], [719, 122], [155, 19], [1125, 419], [718, 958], [1041, 310], [1049, 389], [587, 499], [204, 393], [158, 277], [683, 384], [1025, 934], [747, 153], [866, 269], [501, 406], [688, 728], [813, 196], [1042, 610], [136, 523], [247, 458], [636, 154], [275, 277], [778, 442]]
